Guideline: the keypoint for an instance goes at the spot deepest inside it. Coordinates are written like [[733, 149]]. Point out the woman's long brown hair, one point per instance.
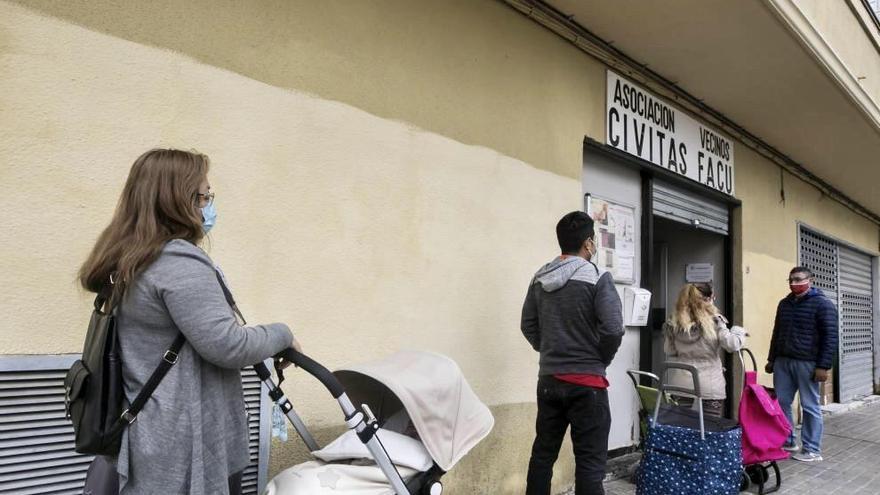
[[158, 204]]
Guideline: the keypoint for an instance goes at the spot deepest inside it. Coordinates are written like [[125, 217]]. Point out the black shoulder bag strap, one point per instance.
[[169, 359], [231, 301]]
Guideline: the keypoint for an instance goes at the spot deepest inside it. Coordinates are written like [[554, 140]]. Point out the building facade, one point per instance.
[[389, 174]]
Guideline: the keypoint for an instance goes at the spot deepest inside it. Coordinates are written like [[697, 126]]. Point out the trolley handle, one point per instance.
[[634, 374], [691, 392], [308, 364], [746, 350]]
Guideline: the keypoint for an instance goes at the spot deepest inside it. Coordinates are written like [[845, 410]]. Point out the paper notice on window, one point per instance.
[[615, 238], [699, 272]]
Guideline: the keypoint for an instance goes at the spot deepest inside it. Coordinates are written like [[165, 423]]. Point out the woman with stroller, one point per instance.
[[191, 435], [696, 334]]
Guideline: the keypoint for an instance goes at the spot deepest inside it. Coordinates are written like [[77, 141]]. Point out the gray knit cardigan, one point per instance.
[[192, 433]]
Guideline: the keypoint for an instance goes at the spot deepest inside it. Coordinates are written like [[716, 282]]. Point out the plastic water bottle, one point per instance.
[[279, 423]]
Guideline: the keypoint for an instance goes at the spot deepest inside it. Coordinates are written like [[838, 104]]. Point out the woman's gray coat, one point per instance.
[[192, 433]]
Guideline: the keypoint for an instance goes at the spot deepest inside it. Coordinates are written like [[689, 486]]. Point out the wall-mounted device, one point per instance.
[[636, 306]]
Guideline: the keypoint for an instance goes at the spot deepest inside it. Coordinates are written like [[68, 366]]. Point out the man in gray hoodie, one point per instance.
[[572, 315]]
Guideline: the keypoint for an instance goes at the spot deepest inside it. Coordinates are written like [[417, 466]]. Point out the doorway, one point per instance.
[[675, 246]]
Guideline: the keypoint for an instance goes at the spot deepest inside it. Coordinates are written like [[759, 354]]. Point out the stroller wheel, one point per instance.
[[435, 488], [745, 481]]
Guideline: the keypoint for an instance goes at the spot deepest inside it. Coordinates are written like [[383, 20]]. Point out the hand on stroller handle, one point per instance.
[[310, 366], [280, 362]]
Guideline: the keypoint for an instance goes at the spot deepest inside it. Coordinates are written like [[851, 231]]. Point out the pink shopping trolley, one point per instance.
[[764, 431]]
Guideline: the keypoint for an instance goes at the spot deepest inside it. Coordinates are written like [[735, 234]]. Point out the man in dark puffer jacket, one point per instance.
[[801, 353]]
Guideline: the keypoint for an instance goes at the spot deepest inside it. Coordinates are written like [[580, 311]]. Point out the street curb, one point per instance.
[[835, 409]]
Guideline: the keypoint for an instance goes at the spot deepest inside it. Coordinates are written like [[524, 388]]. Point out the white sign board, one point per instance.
[[699, 272], [641, 124]]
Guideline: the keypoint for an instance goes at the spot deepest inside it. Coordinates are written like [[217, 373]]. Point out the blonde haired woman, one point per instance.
[[191, 435], [696, 334]]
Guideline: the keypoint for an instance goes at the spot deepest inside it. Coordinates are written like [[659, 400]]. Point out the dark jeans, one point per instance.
[[561, 404]]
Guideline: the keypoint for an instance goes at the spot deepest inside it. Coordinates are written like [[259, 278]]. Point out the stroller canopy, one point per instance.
[[448, 416]]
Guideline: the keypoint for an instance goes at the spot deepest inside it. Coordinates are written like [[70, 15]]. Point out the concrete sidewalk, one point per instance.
[[851, 448]]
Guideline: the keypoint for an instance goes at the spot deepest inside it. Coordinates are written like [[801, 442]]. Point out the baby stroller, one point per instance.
[[764, 428], [418, 417]]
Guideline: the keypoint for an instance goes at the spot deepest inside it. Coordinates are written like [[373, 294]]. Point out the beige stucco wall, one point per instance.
[[475, 71], [397, 192], [843, 25], [767, 248], [388, 175]]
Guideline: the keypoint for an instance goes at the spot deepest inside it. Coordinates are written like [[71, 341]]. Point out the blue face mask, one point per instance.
[[209, 217]]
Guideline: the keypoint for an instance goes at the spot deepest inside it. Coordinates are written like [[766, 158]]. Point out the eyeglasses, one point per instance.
[[207, 197]]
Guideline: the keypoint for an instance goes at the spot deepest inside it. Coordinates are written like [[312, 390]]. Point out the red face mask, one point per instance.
[[798, 289]]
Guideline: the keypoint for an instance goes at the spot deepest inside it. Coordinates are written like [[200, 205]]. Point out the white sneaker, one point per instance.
[[805, 456], [791, 447]]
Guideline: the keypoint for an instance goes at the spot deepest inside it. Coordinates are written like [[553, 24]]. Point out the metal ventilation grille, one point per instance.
[[253, 399], [856, 315], [36, 439], [819, 254]]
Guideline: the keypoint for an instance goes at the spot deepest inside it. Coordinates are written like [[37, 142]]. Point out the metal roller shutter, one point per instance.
[[682, 205], [819, 254], [845, 275], [36, 439], [856, 325]]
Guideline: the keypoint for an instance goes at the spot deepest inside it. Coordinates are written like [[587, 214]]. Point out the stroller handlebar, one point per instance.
[[312, 367]]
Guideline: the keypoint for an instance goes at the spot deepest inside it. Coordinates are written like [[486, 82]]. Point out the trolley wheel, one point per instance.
[[758, 473], [745, 481]]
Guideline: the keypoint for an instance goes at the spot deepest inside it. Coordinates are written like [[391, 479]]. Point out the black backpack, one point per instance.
[[94, 398]]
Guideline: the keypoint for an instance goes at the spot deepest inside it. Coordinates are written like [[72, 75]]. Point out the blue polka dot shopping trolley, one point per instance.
[[686, 452]]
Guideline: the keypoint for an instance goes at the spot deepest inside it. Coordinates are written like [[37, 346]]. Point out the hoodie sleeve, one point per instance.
[[609, 315], [826, 326], [530, 325]]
